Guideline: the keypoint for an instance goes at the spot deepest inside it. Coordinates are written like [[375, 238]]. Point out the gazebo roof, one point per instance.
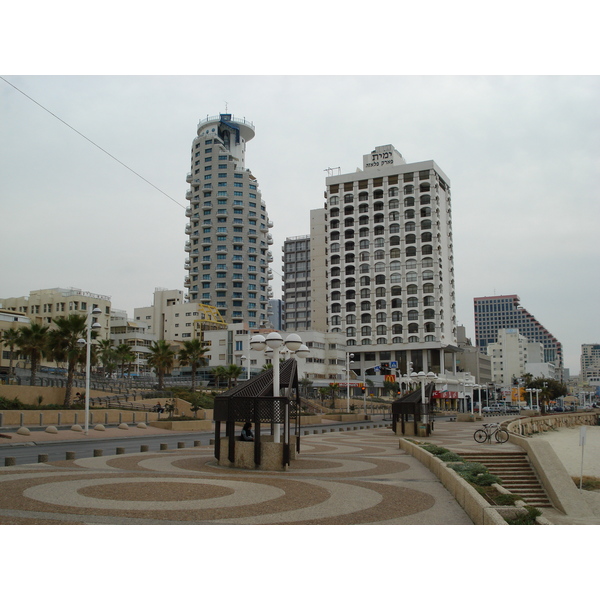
[[411, 403], [262, 384]]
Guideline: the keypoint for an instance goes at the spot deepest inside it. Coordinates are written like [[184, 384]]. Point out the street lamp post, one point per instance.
[[274, 341], [349, 357], [88, 352], [530, 390], [247, 359], [424, 379]]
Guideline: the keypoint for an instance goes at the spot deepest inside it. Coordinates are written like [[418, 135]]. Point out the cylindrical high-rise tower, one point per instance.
[[228, 245]]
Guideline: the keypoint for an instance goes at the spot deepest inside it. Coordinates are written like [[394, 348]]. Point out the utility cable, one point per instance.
[[91, 141]]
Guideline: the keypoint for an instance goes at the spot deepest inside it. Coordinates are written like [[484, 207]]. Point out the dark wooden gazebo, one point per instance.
[[412, 404], [253, 401]]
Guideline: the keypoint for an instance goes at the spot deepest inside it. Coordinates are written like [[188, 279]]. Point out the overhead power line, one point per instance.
[[92, 142]]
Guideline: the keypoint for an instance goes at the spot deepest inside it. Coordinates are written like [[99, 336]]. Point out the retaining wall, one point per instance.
[[473, 503]]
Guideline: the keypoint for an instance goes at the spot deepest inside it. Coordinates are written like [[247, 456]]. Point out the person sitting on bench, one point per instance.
[[247, 435]]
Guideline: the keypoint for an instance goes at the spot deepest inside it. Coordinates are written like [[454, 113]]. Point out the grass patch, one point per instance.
[[591, 484]]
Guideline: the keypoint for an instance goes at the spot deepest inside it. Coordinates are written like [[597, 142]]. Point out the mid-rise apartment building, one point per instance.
[[590, 364], [493, 313], [228, 238], [513, 355], [171, 319], [297, 283], [133, 334], [384, 277], [42, 306]]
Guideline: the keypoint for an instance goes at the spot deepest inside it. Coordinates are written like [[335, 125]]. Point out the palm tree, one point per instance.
[[192, 353], [123, 355], [63, 346], [219, 373], [333, 388], [10, 338], [107, 355], [32, 343], [161, 359], [233, 372], [305, 385]]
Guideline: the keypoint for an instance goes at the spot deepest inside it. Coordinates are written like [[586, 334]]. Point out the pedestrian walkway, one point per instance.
[[339, 478]]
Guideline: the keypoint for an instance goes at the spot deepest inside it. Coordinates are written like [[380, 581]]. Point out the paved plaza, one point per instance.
[[357, 476], [341, 478]]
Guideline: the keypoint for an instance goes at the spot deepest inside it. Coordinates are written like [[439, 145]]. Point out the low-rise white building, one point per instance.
[[133, 334], [512, 356]]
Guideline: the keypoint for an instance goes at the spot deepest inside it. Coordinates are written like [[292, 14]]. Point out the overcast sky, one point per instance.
[[521, 153]]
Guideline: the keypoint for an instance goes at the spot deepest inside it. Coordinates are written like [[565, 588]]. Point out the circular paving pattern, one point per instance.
[[344, 478]]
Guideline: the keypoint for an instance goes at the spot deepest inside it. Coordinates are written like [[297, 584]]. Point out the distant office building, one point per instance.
[[296, 283], [275, 313], [493, 313], [228, 238], [384, 277]]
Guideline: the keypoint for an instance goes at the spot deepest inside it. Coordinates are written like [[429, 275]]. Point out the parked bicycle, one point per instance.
[[491, 429]]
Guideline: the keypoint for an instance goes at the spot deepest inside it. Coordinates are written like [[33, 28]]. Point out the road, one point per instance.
[[26, 452]]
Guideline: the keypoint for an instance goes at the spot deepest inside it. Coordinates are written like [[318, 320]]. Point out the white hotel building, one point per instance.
[[228, 245], [388, 258]]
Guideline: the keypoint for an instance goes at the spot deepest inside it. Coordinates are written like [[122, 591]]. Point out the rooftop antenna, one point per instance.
[[226, 105]]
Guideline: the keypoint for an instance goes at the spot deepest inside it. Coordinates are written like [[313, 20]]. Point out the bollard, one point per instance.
[[76, 419], [120, 418], [164, 446], [181, 444], [42, 458], [10, 461], [97, 452], [143, 448], [41, 419], [1, 419], [70, 456], [59, 419], [120, 450], [22, 419], [106, 418], [133, 417], [197, 443]]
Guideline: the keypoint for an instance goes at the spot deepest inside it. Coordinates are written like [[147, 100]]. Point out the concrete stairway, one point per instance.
[[517, 474]]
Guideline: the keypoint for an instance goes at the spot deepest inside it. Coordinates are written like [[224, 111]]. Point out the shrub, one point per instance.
[[6, 404], [526, 518], [476, 473], [451, 457]]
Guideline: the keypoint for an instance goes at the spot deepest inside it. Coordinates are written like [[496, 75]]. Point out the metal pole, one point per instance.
[[88, 353], [277, 427], [347, 382]]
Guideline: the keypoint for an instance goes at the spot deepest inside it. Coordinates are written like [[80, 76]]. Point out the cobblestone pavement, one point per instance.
[[341, 478]]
